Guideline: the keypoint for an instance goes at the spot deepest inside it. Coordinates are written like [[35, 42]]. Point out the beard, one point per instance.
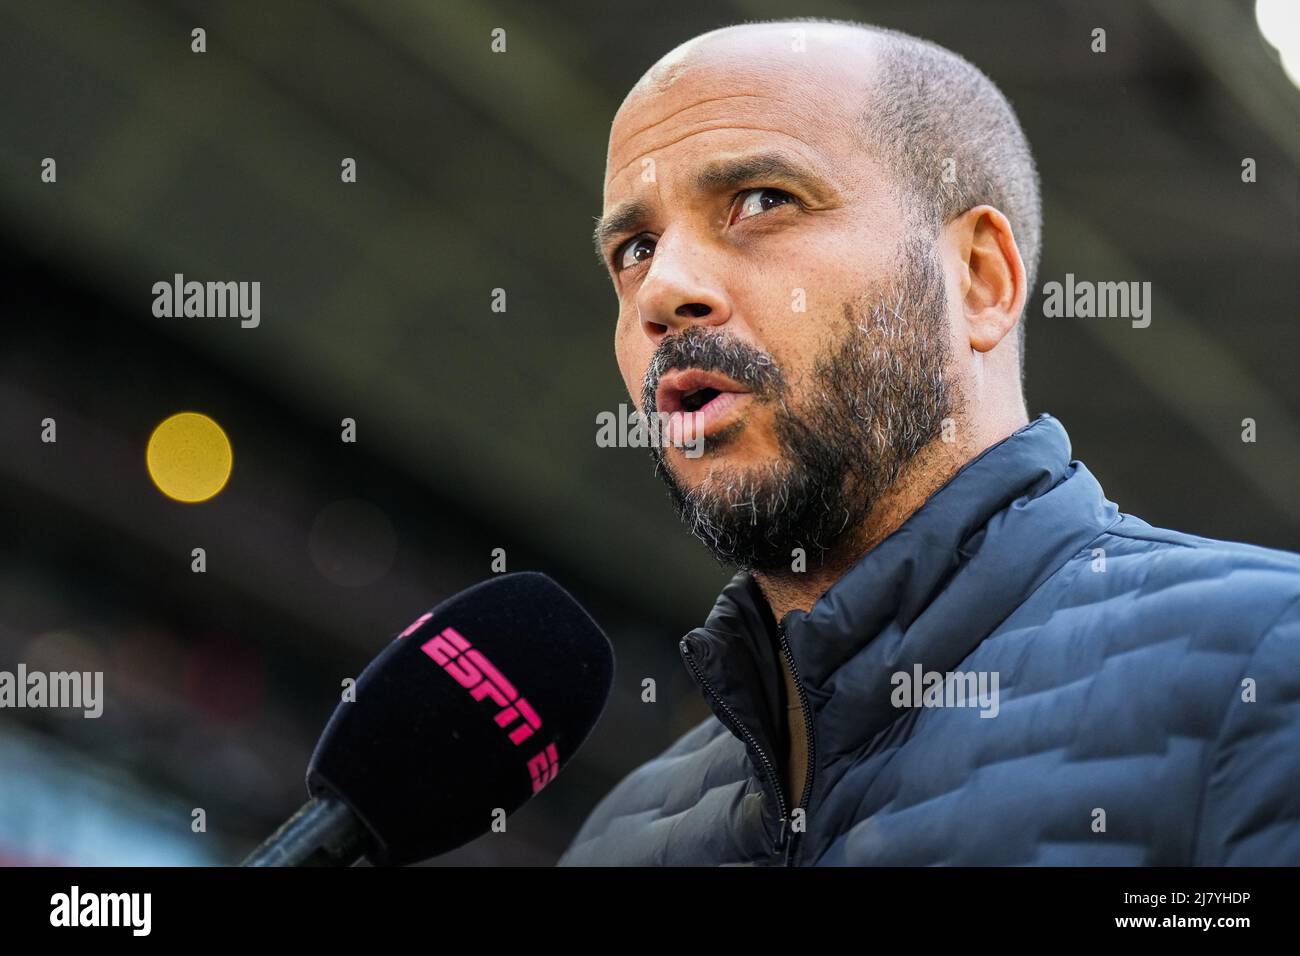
[[868, 406]]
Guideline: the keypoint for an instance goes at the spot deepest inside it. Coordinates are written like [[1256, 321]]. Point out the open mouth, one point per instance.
[[691, 390], [694, 401], [698, 403]]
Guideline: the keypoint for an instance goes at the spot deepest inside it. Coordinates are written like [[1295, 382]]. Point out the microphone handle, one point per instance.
[[324, 832]]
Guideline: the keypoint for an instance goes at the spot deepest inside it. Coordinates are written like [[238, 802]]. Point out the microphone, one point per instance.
[[464, 716]]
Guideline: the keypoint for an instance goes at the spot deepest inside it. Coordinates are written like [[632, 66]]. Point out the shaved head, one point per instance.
[[936, 121], [931, 106]]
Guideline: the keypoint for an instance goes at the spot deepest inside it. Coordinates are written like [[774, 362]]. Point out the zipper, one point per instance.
[[812, 744], [737, 727], [787, 839]]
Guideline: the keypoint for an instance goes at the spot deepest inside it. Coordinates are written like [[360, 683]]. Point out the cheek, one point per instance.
[[633, 357], [796, 339], [798, 304]]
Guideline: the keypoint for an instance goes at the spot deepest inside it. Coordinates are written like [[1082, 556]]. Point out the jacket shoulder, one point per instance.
[[1229, 616], [658, 789], [1239, 586]]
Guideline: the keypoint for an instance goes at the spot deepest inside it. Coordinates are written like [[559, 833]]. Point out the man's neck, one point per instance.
[[925, 474]]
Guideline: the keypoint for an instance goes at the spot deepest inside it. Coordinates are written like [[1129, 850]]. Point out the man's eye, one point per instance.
[[752, 201], [636, 250]]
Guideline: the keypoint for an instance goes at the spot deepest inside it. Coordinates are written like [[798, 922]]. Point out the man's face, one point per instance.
[[775, 298]]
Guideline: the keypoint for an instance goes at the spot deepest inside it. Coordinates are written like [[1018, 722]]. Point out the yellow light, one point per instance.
[[189, 457]]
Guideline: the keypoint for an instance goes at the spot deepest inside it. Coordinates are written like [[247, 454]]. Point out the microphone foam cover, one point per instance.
[[474, 707]]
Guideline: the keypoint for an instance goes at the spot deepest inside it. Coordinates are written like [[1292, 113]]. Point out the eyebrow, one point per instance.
[[721, 175], [625, 219], [725, 174]]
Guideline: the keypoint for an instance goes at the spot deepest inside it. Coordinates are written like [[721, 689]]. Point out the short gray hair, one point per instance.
[[932, 105]]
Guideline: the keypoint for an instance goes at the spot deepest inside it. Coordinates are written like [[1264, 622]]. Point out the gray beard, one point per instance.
[[873, 403]]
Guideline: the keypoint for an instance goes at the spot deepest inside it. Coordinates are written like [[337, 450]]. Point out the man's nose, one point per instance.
[[680, 289]]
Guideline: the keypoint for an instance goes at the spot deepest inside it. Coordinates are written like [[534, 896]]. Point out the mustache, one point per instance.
[[708, 351]]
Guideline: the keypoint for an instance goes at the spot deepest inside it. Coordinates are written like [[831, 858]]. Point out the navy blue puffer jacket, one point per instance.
[[1140, 705]]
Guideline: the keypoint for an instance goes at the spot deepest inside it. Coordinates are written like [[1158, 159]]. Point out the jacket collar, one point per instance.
[[927, 595]]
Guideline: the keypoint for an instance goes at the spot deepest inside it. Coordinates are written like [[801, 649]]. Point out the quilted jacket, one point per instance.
[[1020, 674]]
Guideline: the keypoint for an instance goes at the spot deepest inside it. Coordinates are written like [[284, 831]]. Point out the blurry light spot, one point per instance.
[[1279, 22], [62, 651], [189, 457], [147, 668], [67, 652], [352, 543]]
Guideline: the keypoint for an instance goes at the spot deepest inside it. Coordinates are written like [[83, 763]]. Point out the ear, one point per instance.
[[992, 275]]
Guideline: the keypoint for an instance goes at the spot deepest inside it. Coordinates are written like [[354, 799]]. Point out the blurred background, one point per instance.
[[476, 429]]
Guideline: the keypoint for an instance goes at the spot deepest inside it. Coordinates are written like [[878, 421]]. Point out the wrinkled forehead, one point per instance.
[[791, 82]]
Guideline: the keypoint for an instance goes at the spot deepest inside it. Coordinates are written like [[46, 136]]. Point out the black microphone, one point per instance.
[[463, 717]]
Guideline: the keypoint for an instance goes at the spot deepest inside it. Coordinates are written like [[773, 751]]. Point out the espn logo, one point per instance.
[[473, 671]]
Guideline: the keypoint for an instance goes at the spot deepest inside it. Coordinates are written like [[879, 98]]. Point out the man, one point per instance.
[[944, 644]]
